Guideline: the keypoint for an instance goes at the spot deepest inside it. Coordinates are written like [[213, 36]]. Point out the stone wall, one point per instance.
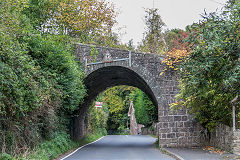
[[236, 142], [176, 128], [153, 130], [225, 138], [179, 130]]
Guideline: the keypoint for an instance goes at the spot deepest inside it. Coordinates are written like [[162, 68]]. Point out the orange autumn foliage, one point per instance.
[[173, 57]]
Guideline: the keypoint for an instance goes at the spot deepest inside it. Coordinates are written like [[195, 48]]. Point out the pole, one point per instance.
[[234, 118], [234, 102], [130, 58], [86, 65]]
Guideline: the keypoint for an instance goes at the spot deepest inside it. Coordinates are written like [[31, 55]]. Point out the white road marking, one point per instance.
[[179, 157], [81, 148]]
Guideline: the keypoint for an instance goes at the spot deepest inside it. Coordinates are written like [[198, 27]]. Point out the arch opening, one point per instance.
[[111, 76], [122, 110], [100, 80]]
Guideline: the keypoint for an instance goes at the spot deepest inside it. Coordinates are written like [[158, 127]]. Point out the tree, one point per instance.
[[130, 45], [114, 99], [178, 49], [88, 20], [153, 41], [176, 39], [145, 111], [210, 76]]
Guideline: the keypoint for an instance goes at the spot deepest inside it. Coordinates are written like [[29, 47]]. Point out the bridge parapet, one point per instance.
[[94, 57]]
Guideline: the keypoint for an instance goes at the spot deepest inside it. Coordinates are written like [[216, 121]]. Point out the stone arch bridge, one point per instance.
[[108, 67]]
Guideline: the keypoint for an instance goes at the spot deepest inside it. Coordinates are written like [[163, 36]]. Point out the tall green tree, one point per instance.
[[153, 41]]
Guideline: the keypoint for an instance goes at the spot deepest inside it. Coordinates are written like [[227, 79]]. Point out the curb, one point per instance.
[[80, 148], [179, 157]]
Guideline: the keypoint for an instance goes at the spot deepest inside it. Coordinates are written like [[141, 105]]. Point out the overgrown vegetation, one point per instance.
[[98, 118], [206, 57], [50, 149], [216, 80], [41, 84], [210, 75]]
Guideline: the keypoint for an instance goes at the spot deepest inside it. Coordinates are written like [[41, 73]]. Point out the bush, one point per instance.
[[6, 156], [57, 57], [97, 120], [41, 85], [25, 95]]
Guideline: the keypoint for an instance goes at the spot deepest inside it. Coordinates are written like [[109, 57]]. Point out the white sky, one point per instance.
[[174, 13]]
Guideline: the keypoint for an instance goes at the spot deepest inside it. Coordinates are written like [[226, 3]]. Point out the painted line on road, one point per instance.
[[81, 148], [179, 157]]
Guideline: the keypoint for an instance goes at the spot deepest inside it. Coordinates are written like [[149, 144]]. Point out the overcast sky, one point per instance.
[[174, 13]]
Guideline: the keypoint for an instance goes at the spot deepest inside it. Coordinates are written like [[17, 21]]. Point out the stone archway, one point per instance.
[[107, 67]]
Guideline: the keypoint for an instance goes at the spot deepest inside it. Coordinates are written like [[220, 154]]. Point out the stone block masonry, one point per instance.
[[179, 130], [225, 138], [108, 67]]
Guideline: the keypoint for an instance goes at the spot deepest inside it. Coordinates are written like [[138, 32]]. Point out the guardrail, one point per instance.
[[129, 59]]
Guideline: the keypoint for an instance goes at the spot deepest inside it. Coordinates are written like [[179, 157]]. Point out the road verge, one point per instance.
[[85, 142]]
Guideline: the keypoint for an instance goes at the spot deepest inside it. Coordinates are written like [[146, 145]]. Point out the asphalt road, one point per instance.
[[120, 147]]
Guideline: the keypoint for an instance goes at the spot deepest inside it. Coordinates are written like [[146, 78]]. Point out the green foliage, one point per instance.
[[115, 99], [140, 110], [39, 12], [94, 53], [11, 21], [52, 148], [145, 111], [153, 41], [40, 82], [25, 95], [210, 77], [97, 118], [58, 59], [6, 156]]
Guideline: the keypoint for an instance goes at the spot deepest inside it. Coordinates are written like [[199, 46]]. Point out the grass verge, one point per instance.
[[52, 149]]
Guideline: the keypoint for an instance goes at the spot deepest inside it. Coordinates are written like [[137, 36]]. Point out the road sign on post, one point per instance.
[[98, 104]]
